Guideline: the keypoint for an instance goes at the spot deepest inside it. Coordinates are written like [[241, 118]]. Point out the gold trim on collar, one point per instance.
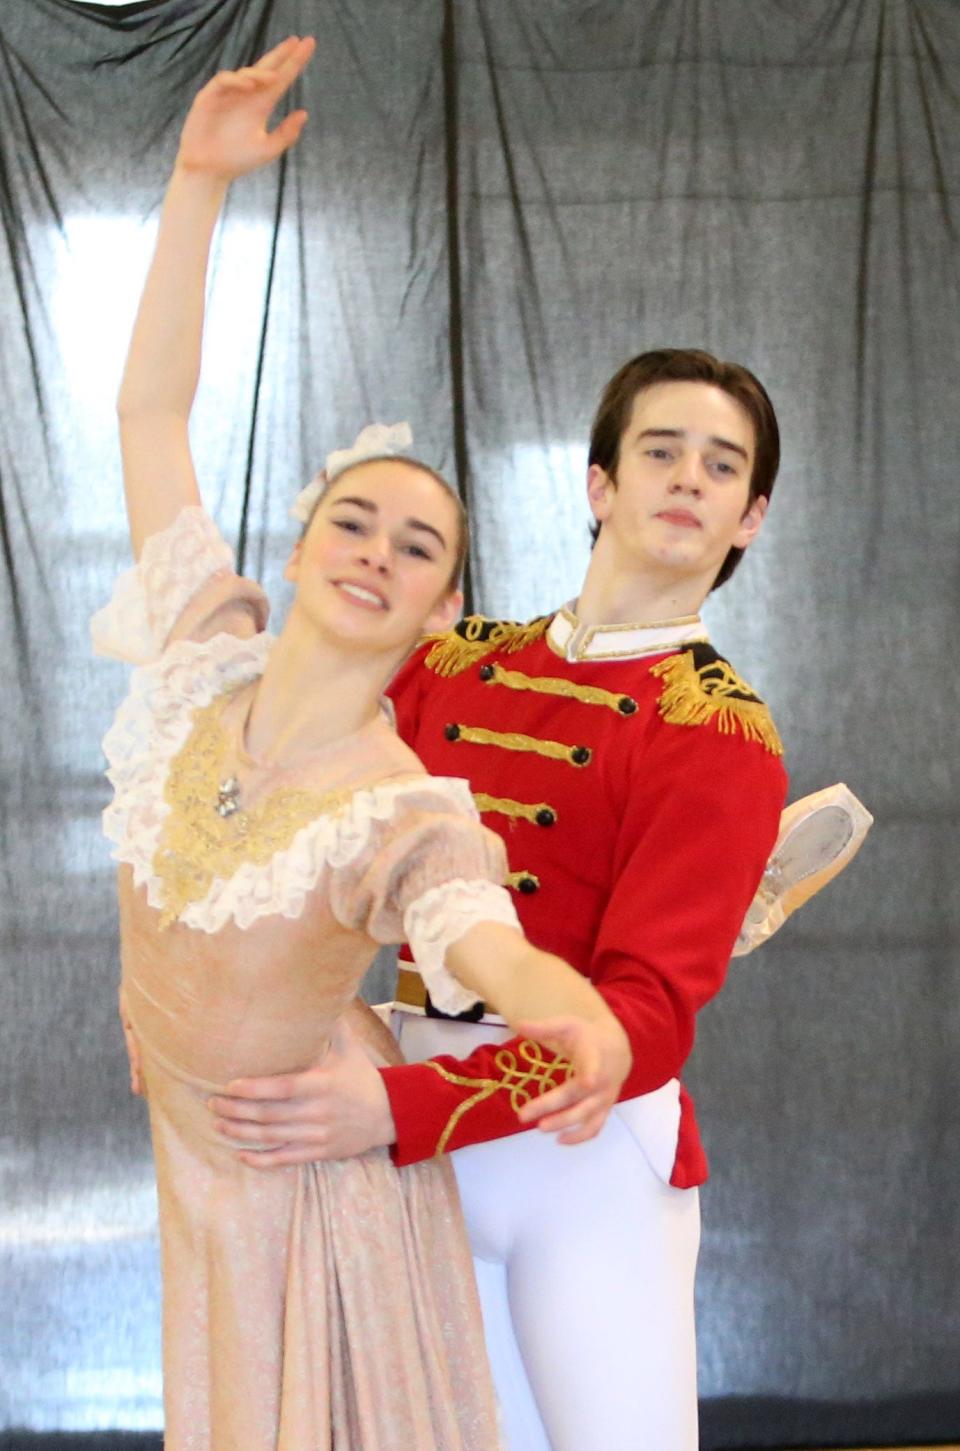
[[674, 635], [693, 695], [554, 685], [678, 621]]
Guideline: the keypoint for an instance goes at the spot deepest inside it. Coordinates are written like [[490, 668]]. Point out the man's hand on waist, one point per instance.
[[334, 1111]]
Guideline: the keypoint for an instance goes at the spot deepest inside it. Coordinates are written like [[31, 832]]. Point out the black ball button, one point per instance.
[[626, 705], [528, 885], [452, 731], [580, 755], [546, 817], [487, 672]]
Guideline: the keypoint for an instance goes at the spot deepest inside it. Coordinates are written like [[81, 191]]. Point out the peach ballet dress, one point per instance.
[[329, 1305]]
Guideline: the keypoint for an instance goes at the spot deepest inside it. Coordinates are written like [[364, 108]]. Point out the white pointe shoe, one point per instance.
[[819, 835]]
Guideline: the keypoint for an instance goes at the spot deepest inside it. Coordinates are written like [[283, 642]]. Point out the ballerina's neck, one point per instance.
[[304, 702]]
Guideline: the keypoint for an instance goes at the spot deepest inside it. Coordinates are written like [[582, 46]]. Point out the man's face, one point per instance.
[[679, 501]]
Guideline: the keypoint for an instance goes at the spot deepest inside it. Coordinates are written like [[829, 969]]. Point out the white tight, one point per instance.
[[585, 1262]]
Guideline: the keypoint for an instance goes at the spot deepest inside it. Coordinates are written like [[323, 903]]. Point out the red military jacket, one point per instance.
[[637, 783]]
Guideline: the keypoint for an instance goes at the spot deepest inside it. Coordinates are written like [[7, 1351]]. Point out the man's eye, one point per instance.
[[659, 452]]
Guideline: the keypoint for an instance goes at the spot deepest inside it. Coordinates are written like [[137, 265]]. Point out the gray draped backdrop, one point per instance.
[[496, 202]]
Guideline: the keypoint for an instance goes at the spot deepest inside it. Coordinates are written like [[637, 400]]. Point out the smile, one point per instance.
[[368, 598]]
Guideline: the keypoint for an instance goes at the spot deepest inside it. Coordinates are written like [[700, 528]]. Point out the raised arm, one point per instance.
[[224, 136]]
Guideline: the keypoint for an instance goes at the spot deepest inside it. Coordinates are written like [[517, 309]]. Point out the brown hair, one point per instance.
[[687, 365], [462, 539]]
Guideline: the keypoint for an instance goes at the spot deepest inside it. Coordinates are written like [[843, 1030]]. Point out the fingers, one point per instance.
[[251, 1111], [280, 67], [295, 61], [277, 1158], [563, 1026], [283, 1085], [597, 1104], [284, 136], [248, 1132], [587, 1130], [572, 1038], [558, 1098], [274, 58], [276, 71]]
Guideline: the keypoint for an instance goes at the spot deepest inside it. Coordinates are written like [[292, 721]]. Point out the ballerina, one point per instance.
[[271, 830]]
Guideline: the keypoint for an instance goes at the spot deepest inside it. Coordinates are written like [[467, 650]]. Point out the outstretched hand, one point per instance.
[[225, 134], [599, 1052]]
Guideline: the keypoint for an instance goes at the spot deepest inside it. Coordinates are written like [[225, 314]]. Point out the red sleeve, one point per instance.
[[691, 851], [694, 836]]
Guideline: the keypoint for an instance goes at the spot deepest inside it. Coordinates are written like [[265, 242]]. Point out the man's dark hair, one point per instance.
[[687, 365]]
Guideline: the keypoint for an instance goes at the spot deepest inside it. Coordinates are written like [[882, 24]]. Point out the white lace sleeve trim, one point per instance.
[[281, 886], [146, 601], [151, 726], [438, 919]]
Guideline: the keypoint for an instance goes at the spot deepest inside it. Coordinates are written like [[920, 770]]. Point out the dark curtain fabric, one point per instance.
[[497, 202]]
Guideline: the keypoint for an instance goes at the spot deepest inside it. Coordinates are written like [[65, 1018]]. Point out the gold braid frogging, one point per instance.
[[521, 1082], [554, 685]]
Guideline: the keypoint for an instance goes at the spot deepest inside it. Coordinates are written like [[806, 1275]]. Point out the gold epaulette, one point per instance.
[[457, 649], [700, 686]]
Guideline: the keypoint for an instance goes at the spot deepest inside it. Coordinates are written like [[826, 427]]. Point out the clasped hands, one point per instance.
[[340, 1108]]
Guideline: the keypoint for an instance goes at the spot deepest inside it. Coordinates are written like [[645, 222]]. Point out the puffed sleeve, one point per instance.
[[426, 872], [183, 587]]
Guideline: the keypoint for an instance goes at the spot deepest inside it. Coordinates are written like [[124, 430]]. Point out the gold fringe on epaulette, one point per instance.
[[692, 698], [453, 652]]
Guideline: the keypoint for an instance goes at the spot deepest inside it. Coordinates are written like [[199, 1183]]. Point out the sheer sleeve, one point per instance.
[[184, 587], [426, 873]]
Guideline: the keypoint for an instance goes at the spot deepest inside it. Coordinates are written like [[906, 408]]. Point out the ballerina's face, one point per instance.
[[375, 564]]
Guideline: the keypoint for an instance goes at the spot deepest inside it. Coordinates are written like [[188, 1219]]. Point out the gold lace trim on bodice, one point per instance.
[[197, 845]]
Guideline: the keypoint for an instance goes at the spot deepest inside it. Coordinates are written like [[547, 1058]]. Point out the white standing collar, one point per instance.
[[574, 641]]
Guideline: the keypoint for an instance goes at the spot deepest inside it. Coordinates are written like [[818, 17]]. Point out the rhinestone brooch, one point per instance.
[[228, 794]]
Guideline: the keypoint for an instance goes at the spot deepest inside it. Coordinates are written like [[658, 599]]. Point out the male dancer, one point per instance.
[[637, 783]]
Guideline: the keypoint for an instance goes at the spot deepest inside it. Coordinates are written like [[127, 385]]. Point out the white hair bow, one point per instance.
[[377, 440]]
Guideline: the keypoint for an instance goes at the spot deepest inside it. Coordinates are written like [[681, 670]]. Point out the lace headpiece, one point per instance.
[[377, 440]]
